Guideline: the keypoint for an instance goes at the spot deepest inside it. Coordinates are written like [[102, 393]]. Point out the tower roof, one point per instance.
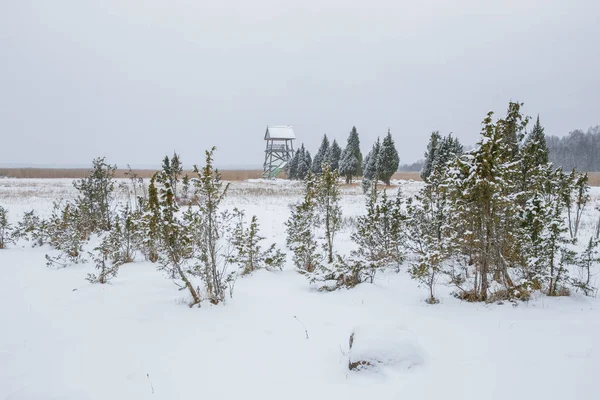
[[280, 132]]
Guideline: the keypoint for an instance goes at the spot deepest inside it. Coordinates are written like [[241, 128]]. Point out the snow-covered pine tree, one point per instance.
[[333, 155], [103, 263], [304, 163], [430, 155], [514, 128], [96, 195], [378, 236], [448, 148], [353, 146], [348, 165], [175, 246], [482, 211], [327, 196], [150, 222], [31, 228], [292, 165], [321, 156], [388, 159], [537, 138], [249, 254], [423, 235], [371, 167], [213, 254], [351, 160], [5, 229], [300, 229], [118, 247], [67, 231]]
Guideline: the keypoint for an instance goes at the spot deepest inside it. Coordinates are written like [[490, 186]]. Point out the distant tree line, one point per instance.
[[378, 165], [577, 150]]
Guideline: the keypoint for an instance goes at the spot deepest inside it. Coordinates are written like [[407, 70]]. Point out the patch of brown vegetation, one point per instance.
[[76, 173]]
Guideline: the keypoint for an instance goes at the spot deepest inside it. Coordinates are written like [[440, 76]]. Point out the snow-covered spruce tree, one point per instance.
[[348, 165], [300, 229], [371, 167], [321, 156], [533, 162], [67, 231], [6, 236], [430, 155], [423, 233], [378, 236], [304, 163], [214, 253], [351, 160], [292, 166], [353, 146], [175, 247], [327, 196], [482, 211], [388, 159], [513, 128], [448, 148], [96, 194], [249, 254], [333, 156]]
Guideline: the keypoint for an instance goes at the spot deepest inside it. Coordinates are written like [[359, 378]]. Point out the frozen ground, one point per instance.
[[63, 338]]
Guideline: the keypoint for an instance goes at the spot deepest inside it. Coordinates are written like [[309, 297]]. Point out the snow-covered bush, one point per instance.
[[66, 231], [30, 228], [6, 236], [249, 254]]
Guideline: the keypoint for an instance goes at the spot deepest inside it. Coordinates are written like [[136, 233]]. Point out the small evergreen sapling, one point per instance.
[[249, 254], [388, 159], [371, 171], [327, 197], [321, 156], [333, 156], [30, 228], [5, 229], [66, 232], [351, 159], [213, 253], [300, 228], [378, 236], [96, 195]]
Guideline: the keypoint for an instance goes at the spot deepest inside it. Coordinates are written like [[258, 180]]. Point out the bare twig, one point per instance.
[[151, 386], [305, 331]]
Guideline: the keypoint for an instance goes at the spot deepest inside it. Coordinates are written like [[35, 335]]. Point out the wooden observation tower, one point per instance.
[[280, 149]]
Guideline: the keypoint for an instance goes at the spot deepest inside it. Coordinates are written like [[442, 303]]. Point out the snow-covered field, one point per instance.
[[64, 338]]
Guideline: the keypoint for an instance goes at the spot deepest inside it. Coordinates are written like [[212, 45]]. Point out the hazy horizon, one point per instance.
[[133, 81]]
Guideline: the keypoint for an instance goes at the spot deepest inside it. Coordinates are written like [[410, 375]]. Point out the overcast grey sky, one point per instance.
[[131, 80]]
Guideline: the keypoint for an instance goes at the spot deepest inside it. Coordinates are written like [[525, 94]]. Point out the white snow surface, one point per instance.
[[64, 338], [385, 344]]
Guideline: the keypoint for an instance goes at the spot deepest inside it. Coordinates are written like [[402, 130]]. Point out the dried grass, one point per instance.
[[228, 175], [75, 173]]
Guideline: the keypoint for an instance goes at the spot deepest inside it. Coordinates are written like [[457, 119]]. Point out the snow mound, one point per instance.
[[374, 346]]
